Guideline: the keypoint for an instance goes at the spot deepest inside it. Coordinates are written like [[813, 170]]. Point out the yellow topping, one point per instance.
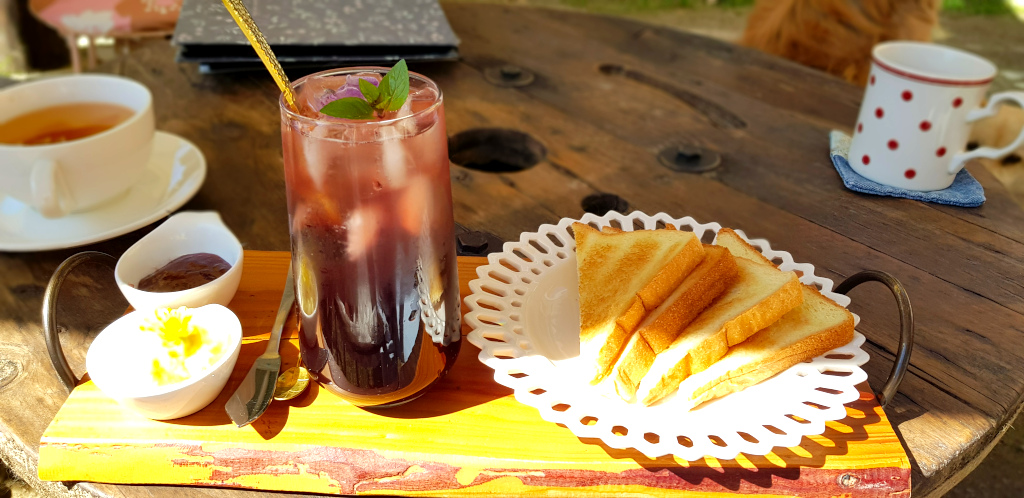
[[187, 349]]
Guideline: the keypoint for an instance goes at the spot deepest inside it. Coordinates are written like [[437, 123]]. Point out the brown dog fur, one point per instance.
[[837, 35]]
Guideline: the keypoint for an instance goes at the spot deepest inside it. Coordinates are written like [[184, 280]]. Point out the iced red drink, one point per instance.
[[372, 234]]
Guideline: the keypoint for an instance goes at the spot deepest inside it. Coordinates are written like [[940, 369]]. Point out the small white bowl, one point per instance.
[[114, 359], [183, 233]]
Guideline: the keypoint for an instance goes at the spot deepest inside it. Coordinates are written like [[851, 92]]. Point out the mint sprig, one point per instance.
[[349, 108], [387, 96], [394, 87]]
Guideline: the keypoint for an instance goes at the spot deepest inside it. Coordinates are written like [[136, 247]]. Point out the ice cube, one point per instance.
[[327, 90], [405, 110], [362, 226], [395, 159], [312, 92], [414, 206], [422, 93], [316, 152], [395, 163], [326, 146], [315, 210]]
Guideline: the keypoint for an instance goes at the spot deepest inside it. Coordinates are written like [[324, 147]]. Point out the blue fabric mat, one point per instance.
[[964, 192]]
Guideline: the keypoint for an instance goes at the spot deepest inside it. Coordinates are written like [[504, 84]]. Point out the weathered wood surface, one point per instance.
[[602, 129], [467, 436]]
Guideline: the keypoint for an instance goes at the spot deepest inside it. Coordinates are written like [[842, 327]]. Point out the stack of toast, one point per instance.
[[660, 313]]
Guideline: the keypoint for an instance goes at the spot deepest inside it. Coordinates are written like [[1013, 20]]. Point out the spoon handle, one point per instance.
[[287, 300]]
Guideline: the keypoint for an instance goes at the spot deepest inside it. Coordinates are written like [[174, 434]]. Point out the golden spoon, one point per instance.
[[252, 33], [291, 383]]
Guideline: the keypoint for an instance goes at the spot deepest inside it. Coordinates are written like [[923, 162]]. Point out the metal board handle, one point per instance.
[[57, 358], [902, 362]]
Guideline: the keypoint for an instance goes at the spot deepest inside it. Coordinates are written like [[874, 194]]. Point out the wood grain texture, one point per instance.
[[776, 182], [608, 95], [466, 436]]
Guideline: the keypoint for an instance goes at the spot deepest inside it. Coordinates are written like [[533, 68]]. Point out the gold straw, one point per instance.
[[259, 43]]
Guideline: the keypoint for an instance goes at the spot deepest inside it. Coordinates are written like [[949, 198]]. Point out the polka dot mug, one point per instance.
[[918, 107]]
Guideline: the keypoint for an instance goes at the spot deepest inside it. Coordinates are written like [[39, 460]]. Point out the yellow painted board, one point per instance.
[[466, 436]]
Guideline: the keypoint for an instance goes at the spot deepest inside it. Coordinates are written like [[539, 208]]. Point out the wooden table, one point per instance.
[[607, 96]]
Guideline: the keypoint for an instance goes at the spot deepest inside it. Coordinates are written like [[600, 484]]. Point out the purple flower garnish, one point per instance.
[[374, 100], [349, 89]]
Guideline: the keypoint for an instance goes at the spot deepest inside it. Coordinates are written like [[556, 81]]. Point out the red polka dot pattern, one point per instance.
[[907, 95], [879, 113], [860, 127], [866, 160], [872, 79], [926, 125], [910, 174], [957, 102], [893, 145], [941, 152]]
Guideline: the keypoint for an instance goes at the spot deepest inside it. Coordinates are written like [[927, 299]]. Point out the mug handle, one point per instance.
[[49, 195], [960, 160]]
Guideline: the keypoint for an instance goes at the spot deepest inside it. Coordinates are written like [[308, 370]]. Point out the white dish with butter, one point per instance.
[[120, 363]]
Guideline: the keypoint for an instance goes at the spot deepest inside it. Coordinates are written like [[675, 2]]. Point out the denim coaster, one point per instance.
[[964, 192]]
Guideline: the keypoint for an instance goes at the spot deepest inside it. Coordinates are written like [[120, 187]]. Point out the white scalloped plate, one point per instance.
[[524, 312]]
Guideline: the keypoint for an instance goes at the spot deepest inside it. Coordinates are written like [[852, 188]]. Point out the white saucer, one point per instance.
[[174, 174]]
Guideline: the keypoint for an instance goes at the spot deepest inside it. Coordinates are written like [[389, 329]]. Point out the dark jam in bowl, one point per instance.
[[186, 272]]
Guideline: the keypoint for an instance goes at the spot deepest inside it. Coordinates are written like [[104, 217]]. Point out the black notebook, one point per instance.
[[316, 33]]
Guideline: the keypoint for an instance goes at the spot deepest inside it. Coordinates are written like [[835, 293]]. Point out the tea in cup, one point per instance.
[[916, 116], [70, 143]]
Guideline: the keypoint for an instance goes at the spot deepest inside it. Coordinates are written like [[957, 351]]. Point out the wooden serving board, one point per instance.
[[466, 436]]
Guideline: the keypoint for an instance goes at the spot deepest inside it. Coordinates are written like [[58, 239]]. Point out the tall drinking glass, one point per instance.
[[372, 236]]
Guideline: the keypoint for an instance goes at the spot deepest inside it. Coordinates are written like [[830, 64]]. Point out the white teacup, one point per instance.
[[917, 112], [61, 178]]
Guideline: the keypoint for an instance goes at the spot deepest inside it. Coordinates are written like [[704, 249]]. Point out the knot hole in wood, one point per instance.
[[495, 150], [601, 202]]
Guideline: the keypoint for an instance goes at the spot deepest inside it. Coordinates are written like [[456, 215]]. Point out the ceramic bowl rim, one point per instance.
[[133, 252], [234, 345]]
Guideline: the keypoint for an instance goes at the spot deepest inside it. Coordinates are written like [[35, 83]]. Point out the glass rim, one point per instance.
[[294, 115]]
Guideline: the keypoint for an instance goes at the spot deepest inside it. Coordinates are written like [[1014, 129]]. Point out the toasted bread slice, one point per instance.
[[815, 327], [622, 276], [707, 281], [731, 240], [811, 329], [758, 298], [611, 229]]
